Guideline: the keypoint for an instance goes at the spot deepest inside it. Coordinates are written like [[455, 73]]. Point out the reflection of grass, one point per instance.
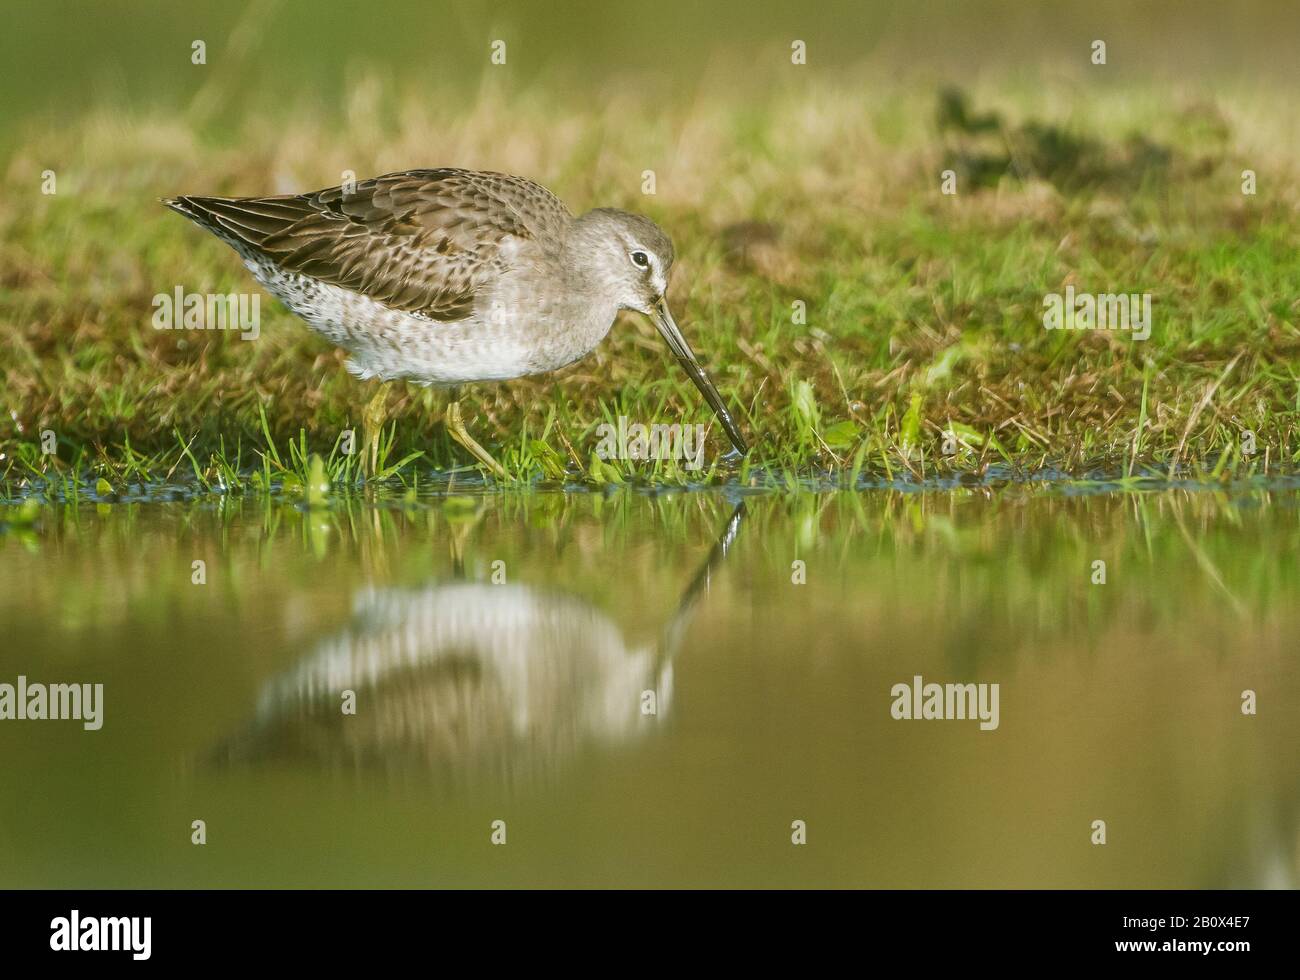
[[1011, 562], [923, 311]]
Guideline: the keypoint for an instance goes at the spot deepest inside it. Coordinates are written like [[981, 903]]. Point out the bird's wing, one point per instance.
[[422, 241]]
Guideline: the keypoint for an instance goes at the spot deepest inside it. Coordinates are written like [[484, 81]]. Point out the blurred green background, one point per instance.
[[57, 56]]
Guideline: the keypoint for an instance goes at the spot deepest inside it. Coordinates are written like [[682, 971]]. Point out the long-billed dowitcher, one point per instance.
[[471, 681], [452, 276]]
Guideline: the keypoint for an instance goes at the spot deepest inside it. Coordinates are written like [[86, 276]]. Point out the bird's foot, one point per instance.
[[372, 421], [456, 429]]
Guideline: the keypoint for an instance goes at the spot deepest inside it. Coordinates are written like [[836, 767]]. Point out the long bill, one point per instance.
[[663, 319]]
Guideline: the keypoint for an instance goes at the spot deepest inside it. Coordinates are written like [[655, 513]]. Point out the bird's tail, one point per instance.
[[242, 221], [192, 208], [181, 205]]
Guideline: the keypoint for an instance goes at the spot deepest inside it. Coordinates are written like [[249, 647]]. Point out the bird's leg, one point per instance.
[[372, 422], [456, 429]]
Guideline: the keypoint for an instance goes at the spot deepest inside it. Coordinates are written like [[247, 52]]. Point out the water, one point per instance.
[[524, 701]]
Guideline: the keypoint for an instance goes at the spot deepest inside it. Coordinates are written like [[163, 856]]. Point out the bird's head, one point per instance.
[[629, 257], [628, 254]]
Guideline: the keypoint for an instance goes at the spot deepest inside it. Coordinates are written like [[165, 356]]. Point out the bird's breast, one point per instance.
[[521, 327]]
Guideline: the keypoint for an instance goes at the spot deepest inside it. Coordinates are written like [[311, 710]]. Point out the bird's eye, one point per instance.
[[640, 260]]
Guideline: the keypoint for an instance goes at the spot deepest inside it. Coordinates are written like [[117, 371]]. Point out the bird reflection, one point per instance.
[[476, 683]]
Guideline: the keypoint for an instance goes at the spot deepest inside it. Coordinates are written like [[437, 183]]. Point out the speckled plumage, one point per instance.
[[452, 276], [442, 276]]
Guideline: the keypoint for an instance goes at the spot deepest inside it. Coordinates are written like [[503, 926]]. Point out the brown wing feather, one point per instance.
[[421, 241]]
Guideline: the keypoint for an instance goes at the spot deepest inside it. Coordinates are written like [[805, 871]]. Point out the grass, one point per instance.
[[853, 315]]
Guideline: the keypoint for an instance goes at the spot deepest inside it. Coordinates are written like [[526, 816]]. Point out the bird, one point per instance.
[[447, 277], [470, 681]]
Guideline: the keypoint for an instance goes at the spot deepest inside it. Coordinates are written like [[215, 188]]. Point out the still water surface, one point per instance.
[[520, 691]]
